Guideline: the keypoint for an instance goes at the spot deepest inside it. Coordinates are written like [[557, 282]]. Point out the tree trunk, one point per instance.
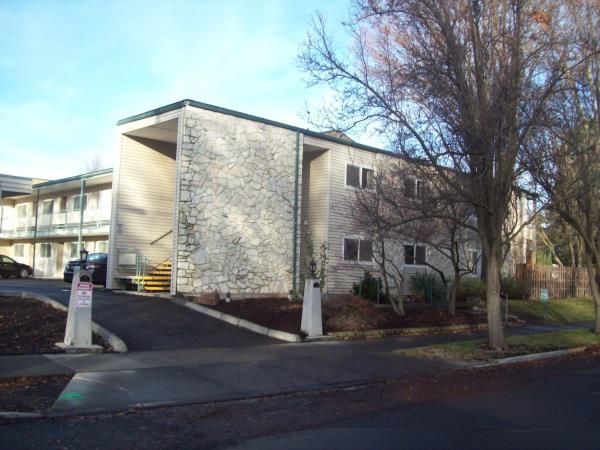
[[594, 288], [494, 313]]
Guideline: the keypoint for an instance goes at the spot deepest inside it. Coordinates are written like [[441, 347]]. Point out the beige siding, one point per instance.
[[144, 207], [315, 201]]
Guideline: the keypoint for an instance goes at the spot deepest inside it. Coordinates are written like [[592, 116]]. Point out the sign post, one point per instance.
[[78, 333]]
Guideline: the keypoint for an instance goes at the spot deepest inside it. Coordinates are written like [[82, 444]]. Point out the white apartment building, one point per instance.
[[42, 227]]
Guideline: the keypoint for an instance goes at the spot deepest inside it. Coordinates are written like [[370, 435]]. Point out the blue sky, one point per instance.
[[70, 69]]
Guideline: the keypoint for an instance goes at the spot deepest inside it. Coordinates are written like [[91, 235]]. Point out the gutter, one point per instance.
[[295, 231]]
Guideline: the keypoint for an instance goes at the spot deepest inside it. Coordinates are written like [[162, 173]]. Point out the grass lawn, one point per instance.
[[477, 350], [556, 311]]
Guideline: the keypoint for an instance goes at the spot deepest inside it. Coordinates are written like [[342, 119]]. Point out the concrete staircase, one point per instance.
[[158, 280]]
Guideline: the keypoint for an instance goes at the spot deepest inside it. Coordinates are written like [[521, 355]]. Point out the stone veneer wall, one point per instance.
[[236, 205]]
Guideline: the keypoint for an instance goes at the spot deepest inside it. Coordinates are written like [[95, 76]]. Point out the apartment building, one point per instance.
[[45, 224], [227, 199]]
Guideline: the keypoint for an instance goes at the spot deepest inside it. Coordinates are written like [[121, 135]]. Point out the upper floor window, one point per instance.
[[414, 188], [22, 210], [415, 255], [359, 177], [47, 206], [358, 250], [77, 202]]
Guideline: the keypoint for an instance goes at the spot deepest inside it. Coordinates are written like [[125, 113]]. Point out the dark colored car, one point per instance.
[[95, 265], [9, 266]]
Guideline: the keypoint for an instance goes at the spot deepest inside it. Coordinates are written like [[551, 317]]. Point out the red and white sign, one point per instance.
[[84, 294]]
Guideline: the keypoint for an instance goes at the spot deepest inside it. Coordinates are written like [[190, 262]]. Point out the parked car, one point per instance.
[[95, 265], [9, 266]]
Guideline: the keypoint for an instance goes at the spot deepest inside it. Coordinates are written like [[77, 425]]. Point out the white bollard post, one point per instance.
[[312, 322], [78, 332]]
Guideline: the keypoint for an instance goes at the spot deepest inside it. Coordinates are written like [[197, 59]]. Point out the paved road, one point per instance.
[[147, 324], [559, 413]]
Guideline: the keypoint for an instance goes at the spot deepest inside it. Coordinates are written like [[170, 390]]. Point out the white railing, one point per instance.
[[56, 224]]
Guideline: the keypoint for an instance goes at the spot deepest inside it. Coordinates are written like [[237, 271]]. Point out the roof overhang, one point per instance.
[[11, 185]]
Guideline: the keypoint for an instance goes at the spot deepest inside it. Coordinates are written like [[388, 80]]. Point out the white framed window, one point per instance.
[[19, 250], [359, 177], [102, 247], [414, 188], [358, 249], [22, 210], [415, 255], [73, 250], [47, 206], [46, 250], [77, 202]]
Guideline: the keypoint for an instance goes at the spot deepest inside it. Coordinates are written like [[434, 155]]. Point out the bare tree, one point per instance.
[[459, 84], [94, 163], [399, 206], [565, 151]]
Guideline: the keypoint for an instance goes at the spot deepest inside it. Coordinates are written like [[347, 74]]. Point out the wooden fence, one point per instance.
[[561, 282]]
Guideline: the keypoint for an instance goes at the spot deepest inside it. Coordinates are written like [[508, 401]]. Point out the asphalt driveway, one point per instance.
[[147, 323]]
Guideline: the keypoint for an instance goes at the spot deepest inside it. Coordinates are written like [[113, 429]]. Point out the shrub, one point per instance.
[[351, 313], [514, 288], [470, 287], [429, 286], [368, 287]]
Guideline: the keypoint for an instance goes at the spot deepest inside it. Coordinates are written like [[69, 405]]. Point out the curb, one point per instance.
[[115, 341], [534, 357], [417, 331], [20, 415], [236, 321]]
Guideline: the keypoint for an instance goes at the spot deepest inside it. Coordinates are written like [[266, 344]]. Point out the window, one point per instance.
[[359, 177], [22, 210], [415, 255], [475, 261], [414, 188], [45, 250], [358, 250], [63, 204], [48, 207], [101, 246], [19, 250], [77, 202], [73, 250]]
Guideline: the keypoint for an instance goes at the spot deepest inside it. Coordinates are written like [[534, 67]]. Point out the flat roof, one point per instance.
[[11, 185], [230, 112], [83, 176]]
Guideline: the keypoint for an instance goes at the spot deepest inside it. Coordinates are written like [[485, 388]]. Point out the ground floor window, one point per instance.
[[415, 255], [45, 250], [356, 249], [73, 250], [19, 250], [101, 246]]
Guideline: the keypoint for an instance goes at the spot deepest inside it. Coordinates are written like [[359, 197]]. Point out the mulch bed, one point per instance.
[[29, 326], [281, 314], [27, 394]]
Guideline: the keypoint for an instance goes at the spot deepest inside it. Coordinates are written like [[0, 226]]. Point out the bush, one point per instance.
[[470, 287], [351, 313], [368, 287], [514, 288], [429, 286]]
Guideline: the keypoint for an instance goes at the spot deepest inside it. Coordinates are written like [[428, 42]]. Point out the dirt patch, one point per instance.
[[30, 326], [27, 394], [348, 313]]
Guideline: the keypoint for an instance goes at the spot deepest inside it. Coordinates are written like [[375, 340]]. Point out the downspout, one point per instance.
[[81, 204], [37, 204], [1, 210], [295, 232], [178, 157]]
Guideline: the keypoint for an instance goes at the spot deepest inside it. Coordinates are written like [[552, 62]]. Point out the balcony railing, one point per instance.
[[57, 224]]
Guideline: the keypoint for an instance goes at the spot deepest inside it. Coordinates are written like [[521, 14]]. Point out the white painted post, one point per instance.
[[312, 322], [78, 333]]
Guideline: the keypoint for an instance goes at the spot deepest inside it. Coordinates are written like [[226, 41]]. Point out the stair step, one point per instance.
[[157, 288]]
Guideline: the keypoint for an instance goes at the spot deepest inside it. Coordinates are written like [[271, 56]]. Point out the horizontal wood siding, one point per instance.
[[144, 209], [315, 200]]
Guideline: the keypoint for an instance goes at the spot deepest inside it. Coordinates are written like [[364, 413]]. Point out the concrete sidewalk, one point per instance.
[[118, 381]]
